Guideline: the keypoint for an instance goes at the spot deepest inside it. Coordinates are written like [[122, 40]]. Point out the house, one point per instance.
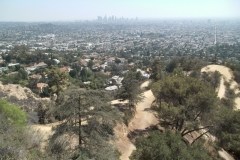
[[41, 65], [13, 64], [116, 80], [36, 66], [2, 69], [103, 66], [65, 69], [111, 88], [56, 61], [35, 76], [84, 62], [30, 69], [87, 83], [41, 86], [115, 83], [143, 73]]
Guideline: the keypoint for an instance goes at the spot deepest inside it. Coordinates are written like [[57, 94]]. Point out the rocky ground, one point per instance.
[[22, 97]]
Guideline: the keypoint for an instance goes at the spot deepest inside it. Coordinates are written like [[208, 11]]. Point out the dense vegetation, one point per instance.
[[186, 103], [227, 129], [88, 115], [167, 146], [183, 102], [15, 141]]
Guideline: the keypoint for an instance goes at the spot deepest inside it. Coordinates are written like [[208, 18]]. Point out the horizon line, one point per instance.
[[129, 19]]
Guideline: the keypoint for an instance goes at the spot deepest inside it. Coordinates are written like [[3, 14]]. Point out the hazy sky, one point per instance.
[[54, 10]]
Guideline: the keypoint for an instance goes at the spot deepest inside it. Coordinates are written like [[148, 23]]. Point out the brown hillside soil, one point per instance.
[[227, 76], [142, 120]]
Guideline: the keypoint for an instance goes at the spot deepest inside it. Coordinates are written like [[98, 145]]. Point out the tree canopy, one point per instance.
[[57, 80], [227, 129], [13, 113], [15, 140], [130, 89], [167, 146], [184, 102], [87, 114]]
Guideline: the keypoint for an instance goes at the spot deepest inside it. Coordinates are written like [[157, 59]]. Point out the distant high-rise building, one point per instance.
[[114, 19], [215, 41], [100, 18], [105, 18]]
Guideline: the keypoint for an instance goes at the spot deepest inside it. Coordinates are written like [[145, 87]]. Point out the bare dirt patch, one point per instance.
[[142, 120], [227, 76]]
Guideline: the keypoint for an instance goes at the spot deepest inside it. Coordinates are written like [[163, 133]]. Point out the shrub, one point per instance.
[[14, 114]]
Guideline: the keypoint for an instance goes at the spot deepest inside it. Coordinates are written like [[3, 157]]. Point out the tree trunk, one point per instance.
[[80, 124], [180, 126], [199, 137], [160, 102], [184, 130], [197, 116], [197, 129]]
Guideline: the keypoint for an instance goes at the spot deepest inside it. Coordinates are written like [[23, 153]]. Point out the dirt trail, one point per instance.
[[145, 84], [225, 155], [43, 132], [122, 142], [221, 89], [141, 120], [227, 76]]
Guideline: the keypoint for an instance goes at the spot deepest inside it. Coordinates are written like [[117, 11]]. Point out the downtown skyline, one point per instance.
[[62, 10]]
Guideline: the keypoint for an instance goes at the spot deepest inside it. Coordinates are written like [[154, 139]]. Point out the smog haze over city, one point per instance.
[[63, 10], [120, 79]]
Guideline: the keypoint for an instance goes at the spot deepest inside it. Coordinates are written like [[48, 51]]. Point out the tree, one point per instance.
[[22, 74], [227, 130], [86, 74], [97, 82], [167, 146], [139, 76], [90, 64], [157, 73], [116, 69], [17, 140], [73, 73], [20, 54], [131, 90], [236, 76], [171, 65], [117, 60], [57, 80], [187, 63], [7, 58], [88, 114], [184, 102], [212, 78]]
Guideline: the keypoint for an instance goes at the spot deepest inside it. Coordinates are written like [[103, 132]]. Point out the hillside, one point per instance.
[[23, 97], [227, 76], [142, 120]]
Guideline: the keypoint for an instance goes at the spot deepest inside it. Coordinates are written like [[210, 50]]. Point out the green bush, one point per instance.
[[14, 114], [167, 146]]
